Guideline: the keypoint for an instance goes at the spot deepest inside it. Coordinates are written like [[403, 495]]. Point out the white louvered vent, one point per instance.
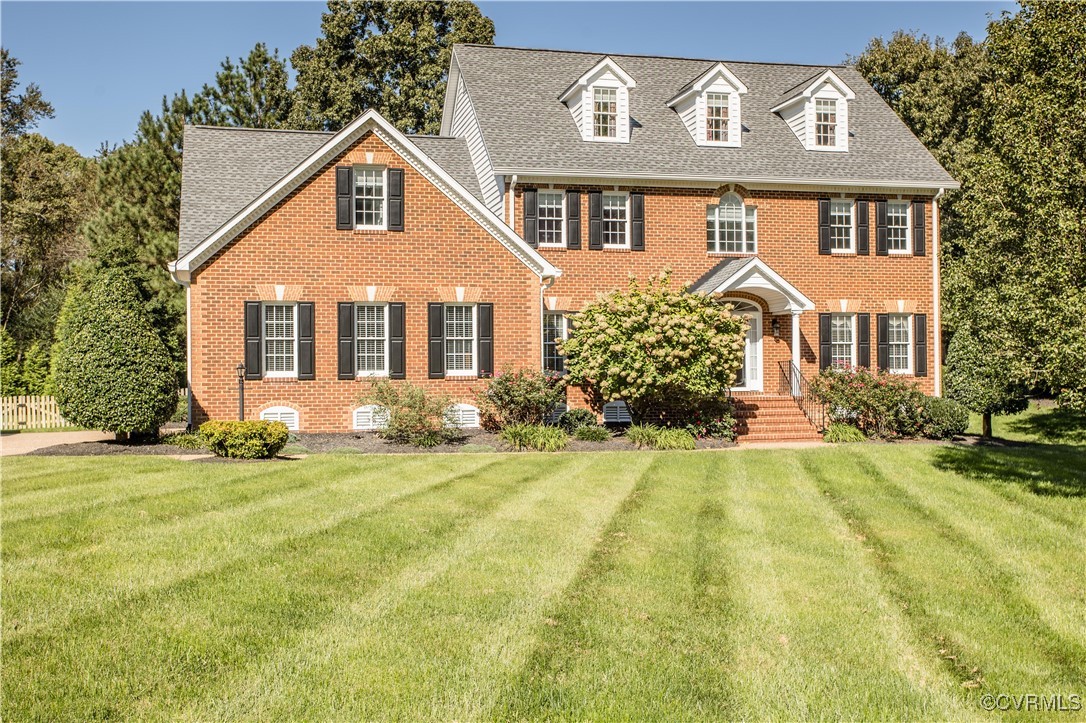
[[463, 416], [370, 417], [286, 415], [616, 413], [558, 411]]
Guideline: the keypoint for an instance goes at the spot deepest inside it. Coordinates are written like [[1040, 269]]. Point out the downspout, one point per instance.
[[936, 295]]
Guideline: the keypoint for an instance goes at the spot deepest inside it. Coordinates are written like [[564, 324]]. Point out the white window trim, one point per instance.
[[910, 346], [908, 250], [379, 373], [743, 207], [703, 109], [619, 89], [756, 315], [603, 236], [384, 197], [562, 224], [474, 371], [263, 342], [852, 227], [855, 341]]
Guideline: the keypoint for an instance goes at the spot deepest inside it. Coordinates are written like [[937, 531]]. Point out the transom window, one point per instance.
[[899, 339], [840, 225], [280, 340], [605, 112], [825, 122], [369, 197], [897, 226], [460, 339], [371, 340], [716, 117], [731, 226], [555, 327], [550, 217], [843, 340], [615, 226]]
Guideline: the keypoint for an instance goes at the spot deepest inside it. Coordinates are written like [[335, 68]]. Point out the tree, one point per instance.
[[976, 376], [251, 94], [18, 113], [390, 56], [111, 370], [657, 347]]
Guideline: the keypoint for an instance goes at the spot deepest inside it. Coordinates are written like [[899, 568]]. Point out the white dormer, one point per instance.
[[710, 108], [817, 112], [599, 102]]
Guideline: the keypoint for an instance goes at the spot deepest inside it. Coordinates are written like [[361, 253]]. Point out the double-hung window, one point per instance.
[[897, 226], [555, 328], [825, 122], [731, 226], [280, 340], [716, 117], [899, 340], [369, 197], [841, 229], [551, 217], [843, 340], [616, 227], [371, 339], [604, 112], [460, 340]]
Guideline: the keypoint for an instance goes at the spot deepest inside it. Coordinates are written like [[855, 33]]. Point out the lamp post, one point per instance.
[[241, 392]]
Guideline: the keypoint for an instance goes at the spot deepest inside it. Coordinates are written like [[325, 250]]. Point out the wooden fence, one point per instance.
[[30, 413]]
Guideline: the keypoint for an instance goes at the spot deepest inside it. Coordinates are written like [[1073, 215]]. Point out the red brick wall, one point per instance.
[[297, 245]]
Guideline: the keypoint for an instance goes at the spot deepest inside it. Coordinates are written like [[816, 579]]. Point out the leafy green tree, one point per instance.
[[110, 369], [391, 56], [18, 113], [35, 369], [11, 381], [976, 376], [657, 347]]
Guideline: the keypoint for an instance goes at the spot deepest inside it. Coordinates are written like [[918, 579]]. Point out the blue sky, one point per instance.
[[102, 64]]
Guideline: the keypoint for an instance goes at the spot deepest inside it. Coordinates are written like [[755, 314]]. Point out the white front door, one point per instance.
[[749, 378]]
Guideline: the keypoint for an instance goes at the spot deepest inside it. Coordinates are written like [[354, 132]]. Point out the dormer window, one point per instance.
[[709, 107], [716, 117], [599, 102], [604, 112], [825, 122], [816, 110]]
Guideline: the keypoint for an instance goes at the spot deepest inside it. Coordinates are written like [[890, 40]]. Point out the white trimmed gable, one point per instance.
[[799, 111], [692, 105], [606, 75]]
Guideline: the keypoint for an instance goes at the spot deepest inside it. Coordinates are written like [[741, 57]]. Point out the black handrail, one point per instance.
[[792, 382]]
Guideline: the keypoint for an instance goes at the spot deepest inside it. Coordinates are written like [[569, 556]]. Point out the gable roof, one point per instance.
[[805, 88], [714, 70], [605, 64], [196, 254], [535, 135], [753, 274]]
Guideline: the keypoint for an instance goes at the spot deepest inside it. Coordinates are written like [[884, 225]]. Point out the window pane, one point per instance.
[[605, 112], [554, 328], [752, 229], [898, 338], [550, 217], [459, 338], [825, 122], [279, 338], [369, 196], [897, 225], [716, 117], [614, 219], [841, 340], [370, 338], [841, 225]]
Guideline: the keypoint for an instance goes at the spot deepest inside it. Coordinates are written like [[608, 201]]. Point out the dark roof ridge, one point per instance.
[[650, 56], [208, 127]]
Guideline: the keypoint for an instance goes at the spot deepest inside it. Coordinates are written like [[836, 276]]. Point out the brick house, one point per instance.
[[324, 260]]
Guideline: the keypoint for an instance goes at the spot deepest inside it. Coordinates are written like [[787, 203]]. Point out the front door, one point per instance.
[[749, 378]]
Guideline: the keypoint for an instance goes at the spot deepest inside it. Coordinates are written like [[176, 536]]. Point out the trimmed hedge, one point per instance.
[[943, 418], [573, 419], [245, 440]]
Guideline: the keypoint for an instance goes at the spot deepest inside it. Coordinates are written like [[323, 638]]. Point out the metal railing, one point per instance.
[[793, 382]]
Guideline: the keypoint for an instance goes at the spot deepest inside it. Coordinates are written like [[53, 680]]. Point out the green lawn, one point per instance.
[[862, 581]]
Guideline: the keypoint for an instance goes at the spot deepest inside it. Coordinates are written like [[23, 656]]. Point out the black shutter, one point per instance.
[[436, 345], [397, 356], [486, 340], [573, 219], [395, 199], [881, 245], [920, 231], [920, 343], [637, 221], [305, 341], [531, 216], [883, 322], [253, 339], [595, 220], [863, 229], [345, 334], [825, 349], [823, 227], [863, 340], [344, 198]]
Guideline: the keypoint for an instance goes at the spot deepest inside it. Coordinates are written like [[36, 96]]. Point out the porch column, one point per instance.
[[795, 352]]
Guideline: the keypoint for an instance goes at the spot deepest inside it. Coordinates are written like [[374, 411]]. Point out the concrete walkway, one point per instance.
[[14, 444]]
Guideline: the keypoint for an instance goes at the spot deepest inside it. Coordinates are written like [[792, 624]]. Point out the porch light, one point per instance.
[[241, 391], [776, 326]]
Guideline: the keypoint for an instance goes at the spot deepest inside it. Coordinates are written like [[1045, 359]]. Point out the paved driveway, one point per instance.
[[13, 444]]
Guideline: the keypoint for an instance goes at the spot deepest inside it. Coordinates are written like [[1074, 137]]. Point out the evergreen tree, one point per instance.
[[253, 93], [18, 113]]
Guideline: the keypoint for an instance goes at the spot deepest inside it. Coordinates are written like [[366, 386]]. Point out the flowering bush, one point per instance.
[[877, 403], [526, 396], [655, 346], [712, 420]]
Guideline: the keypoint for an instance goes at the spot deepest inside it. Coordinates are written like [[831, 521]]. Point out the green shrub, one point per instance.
[[839, 432], [642, 435], [978, 376], [879, 404], [185, 440], [574, 419], [595, 433], [111, 370], [943, 418], [539, 437], [414, 416], [714, 420], [245, 440], [526, 396], [674, 439]]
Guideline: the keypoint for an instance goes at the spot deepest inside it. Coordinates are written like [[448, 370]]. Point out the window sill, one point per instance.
[[723, 254], [553, 247], [900, 253], [618, 249], [835, 252], [371, 375], [280, 380], [369, 231], [461, 377]]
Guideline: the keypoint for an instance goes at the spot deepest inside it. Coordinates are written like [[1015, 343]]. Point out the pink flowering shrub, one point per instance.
[[878, 403]]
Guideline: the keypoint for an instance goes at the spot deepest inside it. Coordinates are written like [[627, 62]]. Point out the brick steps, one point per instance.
[[772, 418]]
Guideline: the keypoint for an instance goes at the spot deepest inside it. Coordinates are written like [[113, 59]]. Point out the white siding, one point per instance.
[[465, 125], [796, 118], [688, 114]]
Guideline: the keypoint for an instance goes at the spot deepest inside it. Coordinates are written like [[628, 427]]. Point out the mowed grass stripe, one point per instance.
[[149, 657], [980, 628], [49, 590], [816, 637]]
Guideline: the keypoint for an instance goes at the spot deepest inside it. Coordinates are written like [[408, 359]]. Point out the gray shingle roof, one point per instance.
[[224, 169], [515, 93], [711, 280]]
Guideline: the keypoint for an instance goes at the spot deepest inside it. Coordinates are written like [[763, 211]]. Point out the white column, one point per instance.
[[795, 350]]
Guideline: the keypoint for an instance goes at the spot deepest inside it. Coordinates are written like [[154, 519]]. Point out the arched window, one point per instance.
[[731, 226]]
